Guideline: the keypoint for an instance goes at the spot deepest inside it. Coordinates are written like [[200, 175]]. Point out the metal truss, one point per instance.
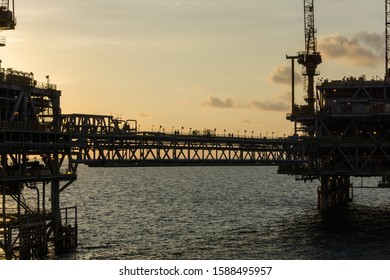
[[103, 143], [352, 128], [358, 147]]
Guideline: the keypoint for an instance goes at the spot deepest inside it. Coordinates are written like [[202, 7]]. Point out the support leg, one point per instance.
[[333, 192]]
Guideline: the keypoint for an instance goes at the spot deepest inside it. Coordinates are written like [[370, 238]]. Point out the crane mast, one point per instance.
[[310, 38], [310, 58]]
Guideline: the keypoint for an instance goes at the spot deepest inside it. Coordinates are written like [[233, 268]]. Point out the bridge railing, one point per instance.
[[103, 140]]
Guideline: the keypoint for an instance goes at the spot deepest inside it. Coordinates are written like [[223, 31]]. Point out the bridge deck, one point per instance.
[[96, 141]]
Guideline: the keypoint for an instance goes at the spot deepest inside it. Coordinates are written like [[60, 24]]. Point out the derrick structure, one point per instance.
[[35, 163]]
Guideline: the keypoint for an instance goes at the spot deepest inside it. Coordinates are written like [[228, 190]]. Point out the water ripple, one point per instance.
[[219, 213]]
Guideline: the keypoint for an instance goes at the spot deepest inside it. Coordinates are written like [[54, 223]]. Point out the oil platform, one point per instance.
[[35, 163], [341, 131], [345, 124]]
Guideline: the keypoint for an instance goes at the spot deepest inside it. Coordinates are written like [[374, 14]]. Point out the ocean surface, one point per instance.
[[220, 213]]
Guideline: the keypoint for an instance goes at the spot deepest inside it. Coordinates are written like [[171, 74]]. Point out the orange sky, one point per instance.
[[193, 64]]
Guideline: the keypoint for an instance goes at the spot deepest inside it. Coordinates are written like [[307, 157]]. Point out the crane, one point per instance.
[[310, 58]]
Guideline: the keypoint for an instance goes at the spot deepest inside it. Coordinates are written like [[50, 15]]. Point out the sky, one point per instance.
[[199, 64]]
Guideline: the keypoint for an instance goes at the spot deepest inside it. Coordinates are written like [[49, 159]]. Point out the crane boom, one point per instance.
[[310, 31], [310, 58]]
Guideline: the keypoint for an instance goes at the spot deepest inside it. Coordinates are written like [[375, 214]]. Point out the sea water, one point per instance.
[[220, 213]]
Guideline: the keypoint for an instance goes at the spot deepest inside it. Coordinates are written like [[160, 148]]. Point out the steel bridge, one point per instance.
[[105, 141]]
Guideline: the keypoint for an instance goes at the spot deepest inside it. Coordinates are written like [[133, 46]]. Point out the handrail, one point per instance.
[[23, 78]]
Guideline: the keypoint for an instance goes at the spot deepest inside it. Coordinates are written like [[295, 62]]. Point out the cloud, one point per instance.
[[229, 103], [363, 49], [282, 75], [219, 103], [269, 106]]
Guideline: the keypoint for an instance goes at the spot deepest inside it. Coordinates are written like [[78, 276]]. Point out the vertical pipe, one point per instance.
[[55, 205], [293, 88], [24, 108], [43, 199], [76, 227], [8, 243], [292, 85], [319, 197], [293, 92], [56, 215], [19, 201], [7, 235], [3, 190], [351, 193], [387, 23], [324, 193], [3, 186]]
